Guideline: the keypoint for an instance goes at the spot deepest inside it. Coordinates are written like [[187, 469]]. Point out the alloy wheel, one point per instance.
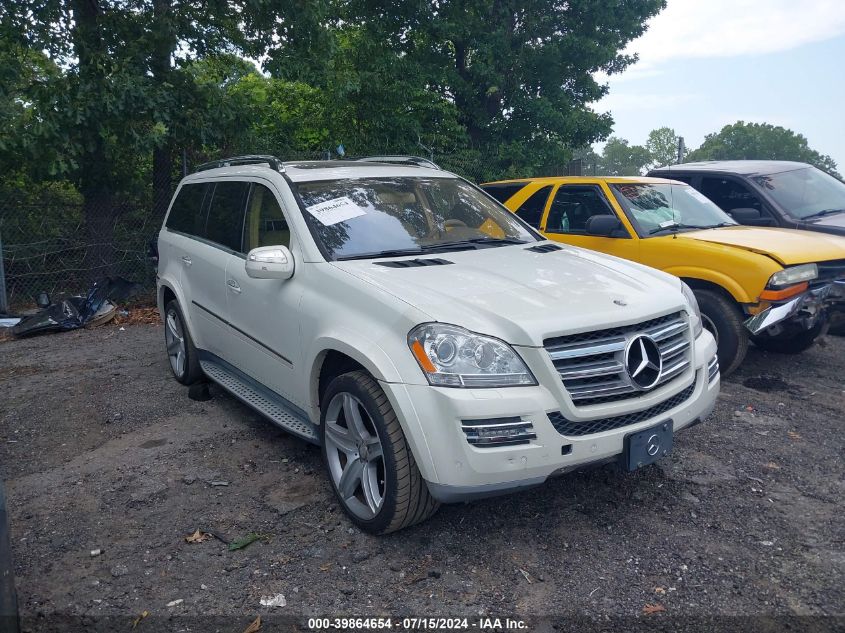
[[355, 456], [174, 338]]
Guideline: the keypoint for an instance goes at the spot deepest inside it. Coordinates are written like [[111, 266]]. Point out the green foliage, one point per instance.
[[743, 141], [104, 94], [621, 159], [509, 80], [662, 146]]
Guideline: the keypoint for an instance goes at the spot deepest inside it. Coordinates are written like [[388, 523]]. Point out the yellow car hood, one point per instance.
[[786, 246]]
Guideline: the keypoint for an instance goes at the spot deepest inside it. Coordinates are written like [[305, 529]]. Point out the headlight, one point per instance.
[[695, 314], [451, 356], [793, 275]]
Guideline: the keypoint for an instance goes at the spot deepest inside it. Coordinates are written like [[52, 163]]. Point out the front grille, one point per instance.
[[591, 364], [830, 271], [568, 427]]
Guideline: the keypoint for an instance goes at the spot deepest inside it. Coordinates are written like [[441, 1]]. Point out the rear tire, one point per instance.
[[723, 319], [372, 469], [184, 361], [790, 343]]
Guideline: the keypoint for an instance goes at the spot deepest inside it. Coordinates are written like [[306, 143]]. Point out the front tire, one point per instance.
[[184, 362], [723, 319], [370, 465]]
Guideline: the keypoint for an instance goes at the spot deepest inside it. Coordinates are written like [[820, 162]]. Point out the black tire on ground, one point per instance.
[[192, 371], [791, 343], [406, 498], [837, 329], [8, 598], [722, 316]]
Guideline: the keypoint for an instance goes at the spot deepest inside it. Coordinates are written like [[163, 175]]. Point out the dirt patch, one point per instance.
[[101, 449]]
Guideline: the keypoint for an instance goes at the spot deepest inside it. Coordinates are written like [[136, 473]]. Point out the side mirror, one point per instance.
[[744, 215], [605, 226], [747, 215], [269, 262]]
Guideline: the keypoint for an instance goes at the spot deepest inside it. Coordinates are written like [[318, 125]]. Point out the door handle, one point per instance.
[[186, 260], [233, 286]]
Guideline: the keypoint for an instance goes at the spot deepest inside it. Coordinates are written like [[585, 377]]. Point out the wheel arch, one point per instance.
[[168, 291], [704, 279], [332, 356]]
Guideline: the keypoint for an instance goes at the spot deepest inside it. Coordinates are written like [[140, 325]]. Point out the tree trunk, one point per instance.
[[95, 183], [162, 180], [163, 47]]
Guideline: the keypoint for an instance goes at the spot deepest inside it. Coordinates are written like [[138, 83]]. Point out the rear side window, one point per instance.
[[503, 192], [532, 209], [226, 214], [186, 213]]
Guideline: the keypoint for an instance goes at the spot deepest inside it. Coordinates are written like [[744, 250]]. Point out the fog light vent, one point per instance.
[[713, 369], [498, 431]]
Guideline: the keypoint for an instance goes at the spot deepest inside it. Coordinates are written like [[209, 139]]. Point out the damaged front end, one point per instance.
[[818, 302]]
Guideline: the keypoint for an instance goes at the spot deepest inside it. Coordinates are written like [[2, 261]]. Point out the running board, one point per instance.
[[260, 398]]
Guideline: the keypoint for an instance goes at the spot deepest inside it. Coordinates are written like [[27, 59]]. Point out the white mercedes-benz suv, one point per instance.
[[436, 347]]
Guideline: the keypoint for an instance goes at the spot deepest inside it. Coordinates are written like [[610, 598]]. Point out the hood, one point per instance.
[[785, 246], [524, 297]]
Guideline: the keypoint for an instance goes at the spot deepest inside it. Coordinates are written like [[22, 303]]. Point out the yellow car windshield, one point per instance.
[[660, 207]]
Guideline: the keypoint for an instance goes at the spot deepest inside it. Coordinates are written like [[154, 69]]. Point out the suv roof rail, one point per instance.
[[413, 161], [249, 159]]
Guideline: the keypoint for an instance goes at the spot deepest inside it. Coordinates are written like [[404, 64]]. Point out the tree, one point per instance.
[[124, 98], [517, 76], [621, 159], [662, 145], [748, 141]]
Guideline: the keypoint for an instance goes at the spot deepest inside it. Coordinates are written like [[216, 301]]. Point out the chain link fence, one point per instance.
[[51, 246], [53, 250]]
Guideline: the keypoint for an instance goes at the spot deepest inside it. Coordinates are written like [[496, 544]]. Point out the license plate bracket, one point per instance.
[[647, 446]]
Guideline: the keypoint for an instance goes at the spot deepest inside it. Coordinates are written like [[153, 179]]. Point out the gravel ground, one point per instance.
[[101, 449]]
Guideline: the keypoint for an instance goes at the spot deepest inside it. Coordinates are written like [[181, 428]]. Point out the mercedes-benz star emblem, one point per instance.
[[653, 445], [643, 362]]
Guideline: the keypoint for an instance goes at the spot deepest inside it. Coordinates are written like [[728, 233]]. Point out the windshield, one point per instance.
[[805, 193], [664, 207], [382, 217]]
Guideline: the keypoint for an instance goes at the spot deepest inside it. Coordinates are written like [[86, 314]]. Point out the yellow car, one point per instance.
[[776, 287]]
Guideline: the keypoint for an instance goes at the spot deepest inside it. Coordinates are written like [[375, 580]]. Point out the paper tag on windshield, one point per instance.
[[335, 211]]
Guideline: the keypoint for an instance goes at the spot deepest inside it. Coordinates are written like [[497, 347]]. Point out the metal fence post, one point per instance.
[[4, 304]]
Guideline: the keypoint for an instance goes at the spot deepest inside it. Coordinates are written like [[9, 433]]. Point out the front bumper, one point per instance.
[[435, 419], [802, 312]]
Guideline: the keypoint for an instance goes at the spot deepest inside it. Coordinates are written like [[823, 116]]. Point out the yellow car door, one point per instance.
[[575, 205]]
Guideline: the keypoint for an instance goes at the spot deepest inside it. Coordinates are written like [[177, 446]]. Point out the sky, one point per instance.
[[705, 64]]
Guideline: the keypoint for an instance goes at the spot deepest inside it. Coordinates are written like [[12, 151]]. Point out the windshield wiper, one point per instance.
[[474, 242], [398, 252], [819, 214], [675, 226], [431, 248], [719, 225]]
